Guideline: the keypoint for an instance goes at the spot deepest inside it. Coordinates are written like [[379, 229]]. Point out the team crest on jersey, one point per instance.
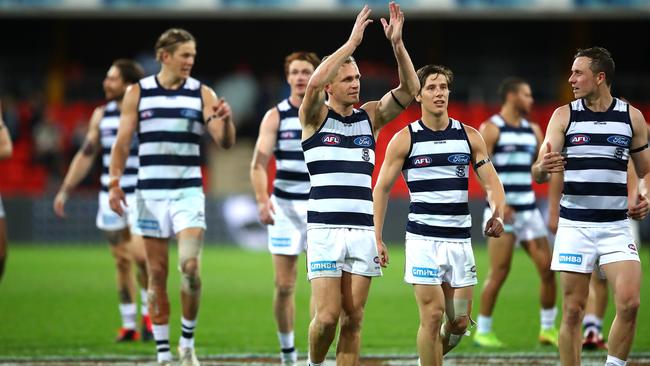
[[420, 161], [363, 141], [580, 139], [146, 114], [460, 171], [619, 140], [458, 159], [331, 139], [365, 155]]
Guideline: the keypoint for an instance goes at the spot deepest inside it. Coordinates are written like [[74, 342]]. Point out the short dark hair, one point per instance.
[[424, 72], [601, 61], [509, 85], [170, 40], [130, 71], [310, 57]]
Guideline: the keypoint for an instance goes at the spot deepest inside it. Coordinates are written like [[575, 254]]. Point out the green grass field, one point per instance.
[[61, 301]]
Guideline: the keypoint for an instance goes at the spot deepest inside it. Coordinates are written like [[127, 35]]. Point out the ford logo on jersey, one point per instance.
[[580, 139], [420, 161], [570, 258], [190, 113], [618, 140], [363, 141], [331, 139], [458, 159]]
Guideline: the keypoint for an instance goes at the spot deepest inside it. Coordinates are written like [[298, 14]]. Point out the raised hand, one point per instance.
[[553, 161], [222, 110], [360, 26], [393, 28]]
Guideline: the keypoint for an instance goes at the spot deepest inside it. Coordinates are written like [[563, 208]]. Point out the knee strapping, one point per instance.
[[455, 310], [189, 252]]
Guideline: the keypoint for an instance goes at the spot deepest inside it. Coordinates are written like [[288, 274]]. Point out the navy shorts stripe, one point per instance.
[[339, 218], [438, 231]]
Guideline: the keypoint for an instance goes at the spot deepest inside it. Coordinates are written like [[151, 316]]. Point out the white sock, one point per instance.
[[129, 313], [613, 361], [187, 333], [161, 335], [592, 322], [484, 324], [144, 306], [286, 341], [547, 318]]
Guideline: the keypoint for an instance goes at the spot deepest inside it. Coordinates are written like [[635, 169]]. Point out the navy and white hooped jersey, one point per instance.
[[597, 145], [513, 155], [291, 178], [436, 172], [340, 157], [107, 135], [169, 130]]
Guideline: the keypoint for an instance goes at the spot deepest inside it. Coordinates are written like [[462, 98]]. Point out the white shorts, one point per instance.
[[2, 209], [578, 249], [165, 218], [288, 236], [331, 251], [432, 262], [526, 225], [108, 220]]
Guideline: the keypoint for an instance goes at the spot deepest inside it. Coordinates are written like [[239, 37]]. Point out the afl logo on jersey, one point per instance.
[[618, 140], [331, 139], [458, 159], [146, 114], [420, 161], [287, 135], [363, 141], [580, 139]]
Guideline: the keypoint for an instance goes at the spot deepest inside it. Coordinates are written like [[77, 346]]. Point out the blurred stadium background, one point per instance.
[[55, 54]]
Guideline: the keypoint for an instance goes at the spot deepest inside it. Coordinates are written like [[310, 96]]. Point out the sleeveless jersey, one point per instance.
[[107, 135], [291, 178]]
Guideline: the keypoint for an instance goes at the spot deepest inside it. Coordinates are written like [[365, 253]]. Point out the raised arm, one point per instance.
[[549, 158], [218, 118], [261, 155], [489, 180], [81, 163], [396, 153], [6, 147], [121, 147], [313, 109], [395, 101]]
